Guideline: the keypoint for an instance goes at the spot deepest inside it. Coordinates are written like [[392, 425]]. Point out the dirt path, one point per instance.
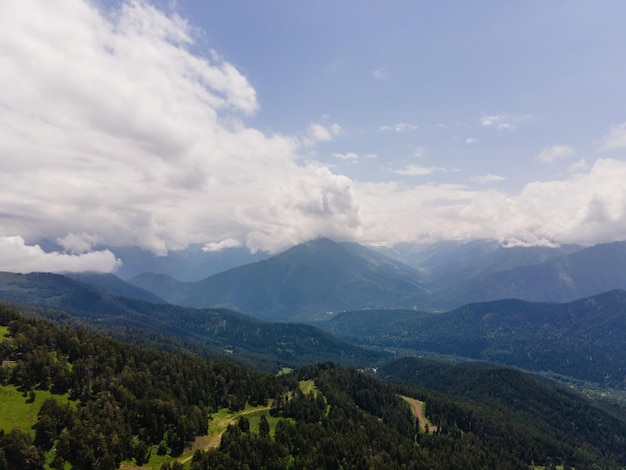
[[417, 407], [205, 442], [210, 442]]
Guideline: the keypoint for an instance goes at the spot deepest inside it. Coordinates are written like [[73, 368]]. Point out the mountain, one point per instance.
[[171, 289], [582, 339], [113, 285], [446, 263], [586, 272], [511, 406], [311, 279], [223, 330], [73, 398], [303, 282], [189, 265]]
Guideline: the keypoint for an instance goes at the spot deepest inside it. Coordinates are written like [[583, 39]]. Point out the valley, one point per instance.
[[464, 374]]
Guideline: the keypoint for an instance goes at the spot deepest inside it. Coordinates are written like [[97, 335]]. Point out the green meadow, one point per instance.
[[17, 410]]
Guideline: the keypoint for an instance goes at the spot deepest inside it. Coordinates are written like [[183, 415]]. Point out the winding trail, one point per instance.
[[204, 442]]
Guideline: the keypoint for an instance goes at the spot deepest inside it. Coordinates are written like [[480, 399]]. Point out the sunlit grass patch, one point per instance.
[[17, 412]]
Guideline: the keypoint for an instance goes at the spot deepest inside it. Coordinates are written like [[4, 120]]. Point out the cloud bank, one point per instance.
[[116, 131]]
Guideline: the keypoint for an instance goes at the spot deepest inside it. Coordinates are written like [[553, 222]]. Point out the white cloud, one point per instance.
[[471, 140], [17, 256], [498, 121], [399, 127], [488, 178], [221, 245], [347, 156], [580, 165], [615, 139], [587, 208], [416, 170], [321, 133], [116, 132], [555, 153], [77, 244], [380, 74], [111, 126]]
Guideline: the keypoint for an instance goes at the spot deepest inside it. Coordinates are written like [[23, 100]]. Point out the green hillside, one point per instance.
[[582, 339], [222, 330], [131, 406]]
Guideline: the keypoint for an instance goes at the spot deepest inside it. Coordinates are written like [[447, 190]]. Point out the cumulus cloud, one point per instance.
[[77, 244], [399, 127], [555, 153], [416, 170], [488, 178], [321, 133], [347, 156], [221, 245], [580, 165], [588, 208], [615, 139], [498, 121], [471, 140], [17, 256], [116, 131]]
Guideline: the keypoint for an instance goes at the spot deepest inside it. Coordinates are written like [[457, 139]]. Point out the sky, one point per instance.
[[165, 124]]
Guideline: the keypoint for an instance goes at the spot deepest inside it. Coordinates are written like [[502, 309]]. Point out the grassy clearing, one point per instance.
[[307, 386], [285, 371], [15, 411], [4, 331], [417, 408], [217, 425]]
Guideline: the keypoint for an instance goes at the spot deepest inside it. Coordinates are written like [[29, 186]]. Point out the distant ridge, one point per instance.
[[218, 329], [307, 280], [565, 278], [583, 339]]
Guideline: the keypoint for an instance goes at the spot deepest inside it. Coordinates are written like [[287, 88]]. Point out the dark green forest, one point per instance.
[[582, 339], [127, 403]]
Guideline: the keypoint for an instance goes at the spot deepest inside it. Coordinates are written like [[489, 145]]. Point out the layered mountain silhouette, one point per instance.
[[221, 330], [312, 279], [583, 339], [307, 280], [564, 278]]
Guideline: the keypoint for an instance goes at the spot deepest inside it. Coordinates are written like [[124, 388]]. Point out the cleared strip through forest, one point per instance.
[[417, 407]]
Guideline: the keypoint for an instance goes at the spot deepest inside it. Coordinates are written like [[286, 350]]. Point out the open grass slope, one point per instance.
[[18, 410]]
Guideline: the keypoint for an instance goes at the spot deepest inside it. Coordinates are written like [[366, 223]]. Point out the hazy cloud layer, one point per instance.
[[116, 131], [589, 208]]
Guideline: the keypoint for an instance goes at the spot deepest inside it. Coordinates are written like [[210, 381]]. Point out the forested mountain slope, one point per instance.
[[226, 331], [129, 404], [583, 339]]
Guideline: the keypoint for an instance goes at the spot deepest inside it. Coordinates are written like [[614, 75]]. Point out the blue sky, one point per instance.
[[264, 124], [431, 74]]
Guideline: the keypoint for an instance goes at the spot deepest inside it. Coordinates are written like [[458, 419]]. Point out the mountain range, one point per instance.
[[322, 277], [304, 282], [583, 339], [365, 308], [222, 331]]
